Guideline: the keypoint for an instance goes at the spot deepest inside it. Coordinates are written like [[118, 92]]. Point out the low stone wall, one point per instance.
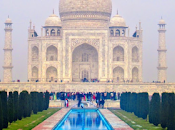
[[108, 103], [92, 87]]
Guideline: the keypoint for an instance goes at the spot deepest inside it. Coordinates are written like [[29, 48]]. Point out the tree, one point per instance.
[[20, 107], [4, 108], [30, 105], [138, 112], [133, 102], [1, 115], [171, 111], [46, 100], [164, 110], [25, 104], [154, 113], [16, 105], [34, 102], [144, 104], [10, 108]]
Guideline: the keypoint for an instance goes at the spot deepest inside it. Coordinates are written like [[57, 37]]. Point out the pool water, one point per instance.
[[83, 119]]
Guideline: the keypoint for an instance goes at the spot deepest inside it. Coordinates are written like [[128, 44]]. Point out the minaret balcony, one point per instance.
[[163, 50], [7, 66], [8, 49], [162, 68]]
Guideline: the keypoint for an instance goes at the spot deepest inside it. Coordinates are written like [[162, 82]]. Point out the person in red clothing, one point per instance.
[[67, 104], [93, 96]]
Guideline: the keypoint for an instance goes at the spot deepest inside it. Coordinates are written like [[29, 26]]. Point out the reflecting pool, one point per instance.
[[83, 119]]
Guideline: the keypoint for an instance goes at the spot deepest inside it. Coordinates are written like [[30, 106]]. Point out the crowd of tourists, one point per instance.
[[86, 96], [98, 97]]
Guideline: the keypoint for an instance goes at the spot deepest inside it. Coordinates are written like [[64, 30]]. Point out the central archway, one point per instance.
[[84, 63]]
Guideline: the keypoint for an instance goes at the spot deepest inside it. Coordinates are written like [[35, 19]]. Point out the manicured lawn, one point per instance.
[[135, 122], [30, 122]]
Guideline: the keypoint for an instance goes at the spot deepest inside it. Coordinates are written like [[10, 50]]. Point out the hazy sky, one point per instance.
[[148, 12]]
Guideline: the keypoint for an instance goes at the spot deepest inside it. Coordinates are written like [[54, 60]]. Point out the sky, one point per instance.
[[149, 12]]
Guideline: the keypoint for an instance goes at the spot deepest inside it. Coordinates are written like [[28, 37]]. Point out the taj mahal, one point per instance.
[[85, 49]]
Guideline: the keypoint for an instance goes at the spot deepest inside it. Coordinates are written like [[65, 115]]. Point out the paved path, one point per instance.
[[50, 122], [114, 121]]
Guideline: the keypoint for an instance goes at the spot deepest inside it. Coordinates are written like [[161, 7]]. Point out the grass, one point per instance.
[[135, 122], [32, 121]]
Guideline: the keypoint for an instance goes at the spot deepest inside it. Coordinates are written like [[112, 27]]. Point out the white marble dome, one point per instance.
[[85, 9], [117, 21], [53, 20]]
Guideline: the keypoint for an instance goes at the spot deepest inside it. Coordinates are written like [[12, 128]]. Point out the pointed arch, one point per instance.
[[52, 53], [111, 32], [135, 54], [84, 63], [135, 74], [118, 74], [35, 53], [51, 74], [117, 33], [58, 32], [118, 54], [35, 73], [47, 32], [52, 32]]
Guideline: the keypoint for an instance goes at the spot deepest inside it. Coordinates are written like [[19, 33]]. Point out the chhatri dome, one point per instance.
[[8, 20], [76, 12], [53, 20], [117, 21], [162, 21]]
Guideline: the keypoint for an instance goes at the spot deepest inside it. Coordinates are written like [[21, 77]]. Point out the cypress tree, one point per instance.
[[4, 108], [30, 105], [135, 104], [20, 107], [144, 105], [10, 108], [40, 102], [171, 111], [164, 110], [154, 115], [47, 100], [35, 102], [138, 112], [16, 105], [1, 115], [121, 101], [25, 104]]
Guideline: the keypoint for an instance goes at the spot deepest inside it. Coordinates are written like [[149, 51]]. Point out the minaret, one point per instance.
[[162, 66], [7, 76]]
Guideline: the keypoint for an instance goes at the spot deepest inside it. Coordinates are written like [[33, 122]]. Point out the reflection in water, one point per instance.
[[83, 120]]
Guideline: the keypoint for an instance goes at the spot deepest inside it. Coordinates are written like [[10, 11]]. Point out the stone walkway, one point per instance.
[[114, 121], [52, 121]]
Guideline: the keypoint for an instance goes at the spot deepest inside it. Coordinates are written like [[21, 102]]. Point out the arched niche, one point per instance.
[[135, 54], [34, 73], [118, 74], [51, 74], [35, 53], [118, 54], [52, 53], [52, 32], [135, 74]]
